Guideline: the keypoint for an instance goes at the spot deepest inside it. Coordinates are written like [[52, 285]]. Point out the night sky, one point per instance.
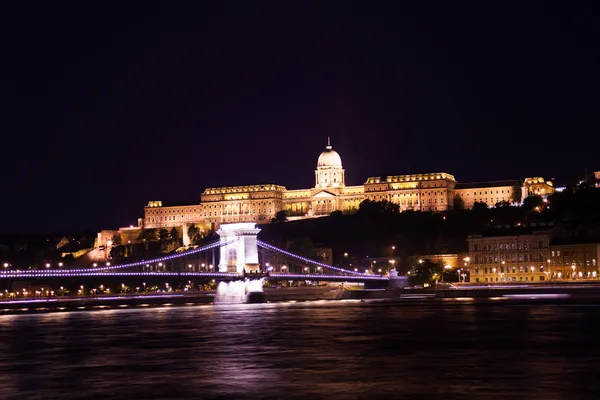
[[109, 106]]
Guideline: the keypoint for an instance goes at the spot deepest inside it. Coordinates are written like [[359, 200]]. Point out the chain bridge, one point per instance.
[[240, 254]]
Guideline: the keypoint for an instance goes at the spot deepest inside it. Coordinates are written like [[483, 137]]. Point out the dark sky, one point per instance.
[[106, 106]]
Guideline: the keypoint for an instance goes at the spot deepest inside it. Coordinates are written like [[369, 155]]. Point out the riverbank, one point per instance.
[[493, 293]]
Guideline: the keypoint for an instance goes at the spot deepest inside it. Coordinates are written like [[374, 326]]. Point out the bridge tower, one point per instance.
[[242, 253]]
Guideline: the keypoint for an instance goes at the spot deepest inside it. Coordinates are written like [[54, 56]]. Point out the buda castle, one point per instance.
[[260, 203]]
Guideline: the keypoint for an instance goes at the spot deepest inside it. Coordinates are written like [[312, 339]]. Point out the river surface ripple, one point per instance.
[[312, 350]]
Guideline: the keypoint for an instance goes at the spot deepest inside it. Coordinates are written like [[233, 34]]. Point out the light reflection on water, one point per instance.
[[338, 350]]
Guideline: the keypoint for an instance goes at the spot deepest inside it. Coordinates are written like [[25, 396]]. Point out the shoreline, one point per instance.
[[554, 295]]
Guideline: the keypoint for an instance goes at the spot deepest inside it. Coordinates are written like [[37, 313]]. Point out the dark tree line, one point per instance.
[[377, 226]]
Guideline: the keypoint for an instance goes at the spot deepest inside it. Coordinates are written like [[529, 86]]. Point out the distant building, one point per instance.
[[597, 178], [570, 259], [260, 203], [539, 187], [494, 192], [517, 254], [450, 260], [534, 254], [490, 193]]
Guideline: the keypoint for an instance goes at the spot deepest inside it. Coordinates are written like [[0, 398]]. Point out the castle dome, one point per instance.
[[329, 158]]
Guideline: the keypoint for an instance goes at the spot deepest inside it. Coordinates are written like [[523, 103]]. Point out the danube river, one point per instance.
[[312, 350]]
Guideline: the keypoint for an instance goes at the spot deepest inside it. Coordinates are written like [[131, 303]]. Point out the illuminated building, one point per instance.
[[419, 192], [597, 178], [450, 260], [570, 260], [510, 255], [539, 187], [490, 193], [494, 192], [260, 203]]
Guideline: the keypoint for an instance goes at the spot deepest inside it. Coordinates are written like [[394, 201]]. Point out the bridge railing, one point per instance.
[[127, 265], [309, 261], [316, 277]]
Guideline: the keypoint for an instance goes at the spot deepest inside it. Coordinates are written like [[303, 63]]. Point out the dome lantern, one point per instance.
[[329, 158]]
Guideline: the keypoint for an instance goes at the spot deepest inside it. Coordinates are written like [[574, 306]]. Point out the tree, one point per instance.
[[147, 235], [425, 271], [163, 234], [517, 192], [194, 234], [280, 217], [175, 234], [336, 214], [373, 208], [533, 203], [303, 246], [503, 204], [116, 239], [479, 206], [459, 203], [117, 253], [441, 245]]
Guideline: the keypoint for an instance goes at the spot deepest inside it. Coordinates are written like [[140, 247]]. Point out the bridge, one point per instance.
[[239, 250]]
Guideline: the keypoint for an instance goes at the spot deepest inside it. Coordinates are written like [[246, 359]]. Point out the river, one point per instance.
[[311, 350]]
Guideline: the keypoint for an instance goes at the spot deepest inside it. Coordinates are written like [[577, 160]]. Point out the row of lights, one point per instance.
[[189, 265], [270, 267], [268, 246], [140, 263], [76, 274], [320, 276], [212, 274]]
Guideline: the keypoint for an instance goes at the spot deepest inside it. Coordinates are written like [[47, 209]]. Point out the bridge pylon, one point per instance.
[[242, 253]]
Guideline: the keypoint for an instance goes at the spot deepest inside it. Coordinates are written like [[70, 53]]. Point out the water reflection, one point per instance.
[[343, 350]]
